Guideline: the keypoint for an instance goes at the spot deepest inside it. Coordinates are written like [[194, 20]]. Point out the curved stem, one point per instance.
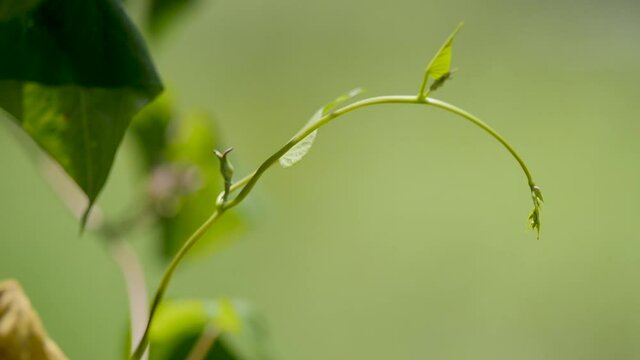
[[248, 181], [246, 184], [456, 110], [129, 263], [166, 278]]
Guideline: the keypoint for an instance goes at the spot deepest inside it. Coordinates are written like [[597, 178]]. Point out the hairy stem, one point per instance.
[[245, 185]]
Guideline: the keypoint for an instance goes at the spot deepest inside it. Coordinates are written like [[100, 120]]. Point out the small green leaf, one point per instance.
[[537, 192], [534, 216], [179, 324], [299, 150], [440, 66]]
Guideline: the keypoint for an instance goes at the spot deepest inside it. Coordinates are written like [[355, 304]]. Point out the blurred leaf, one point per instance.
[[85, 43], [440, 66], [12, 8], [161, 13], [184, 175], [150, 130], [80, 128], [192, 148], [238, 331], [22, 335], [76, 74], [298, 151], [225, 317]]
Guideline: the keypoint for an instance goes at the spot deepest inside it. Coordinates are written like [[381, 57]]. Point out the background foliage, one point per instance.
[[401, 235]]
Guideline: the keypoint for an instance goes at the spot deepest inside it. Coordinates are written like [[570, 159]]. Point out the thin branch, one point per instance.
[[127, 259], [111, 234], [204, 344]]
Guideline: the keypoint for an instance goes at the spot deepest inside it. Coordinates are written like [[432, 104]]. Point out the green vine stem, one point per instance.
[[168, 274], [245, 185]]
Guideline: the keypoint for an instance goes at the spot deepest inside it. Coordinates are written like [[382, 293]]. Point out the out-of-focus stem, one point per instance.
[[204, 344], [127, 259]]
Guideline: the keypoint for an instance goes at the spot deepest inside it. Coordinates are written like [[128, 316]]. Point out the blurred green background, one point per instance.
[[402, 233]]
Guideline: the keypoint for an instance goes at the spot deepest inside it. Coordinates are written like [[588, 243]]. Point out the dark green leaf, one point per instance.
[[12, 8], [73, 75], [162, 13], [80, 42]]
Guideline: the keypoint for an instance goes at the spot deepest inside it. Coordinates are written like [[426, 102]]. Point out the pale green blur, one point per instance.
[[402, 234]]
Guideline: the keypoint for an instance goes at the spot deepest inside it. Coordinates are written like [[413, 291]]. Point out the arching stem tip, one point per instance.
[[534, 217]]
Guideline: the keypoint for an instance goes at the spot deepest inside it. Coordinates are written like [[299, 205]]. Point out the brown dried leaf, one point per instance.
[[22, 336]]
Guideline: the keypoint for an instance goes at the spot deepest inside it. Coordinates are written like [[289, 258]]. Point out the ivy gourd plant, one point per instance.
[[438, 71], [76, 100]]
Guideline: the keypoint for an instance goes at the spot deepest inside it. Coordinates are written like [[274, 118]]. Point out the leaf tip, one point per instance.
[[357, 91], [85, 218], [459, 27]]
